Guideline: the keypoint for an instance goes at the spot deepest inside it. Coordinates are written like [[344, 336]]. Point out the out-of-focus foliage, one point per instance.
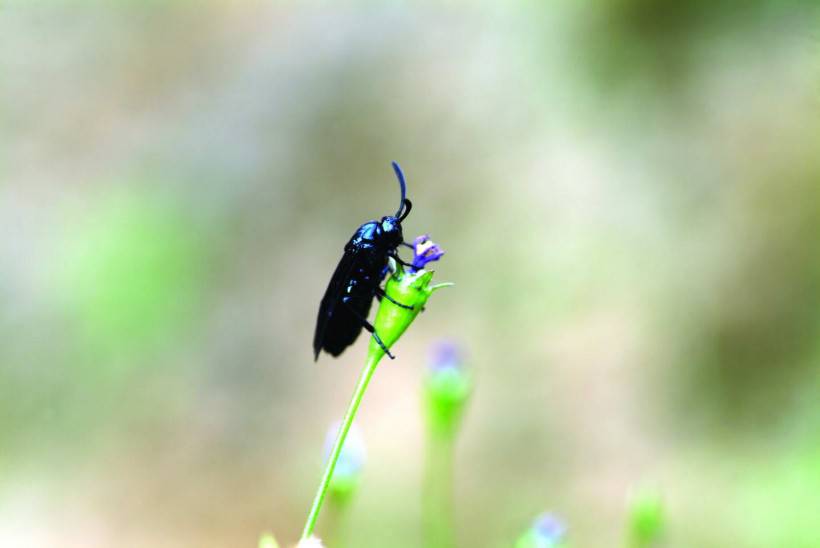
[[131, 275], [627, 191]]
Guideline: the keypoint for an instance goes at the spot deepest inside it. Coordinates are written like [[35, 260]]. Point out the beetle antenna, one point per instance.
[[408, 205], [403, 185]]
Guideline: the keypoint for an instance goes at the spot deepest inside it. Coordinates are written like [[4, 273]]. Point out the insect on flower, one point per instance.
[[357, 279]]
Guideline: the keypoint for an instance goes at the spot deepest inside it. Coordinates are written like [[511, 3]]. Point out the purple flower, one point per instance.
[[424, 251]]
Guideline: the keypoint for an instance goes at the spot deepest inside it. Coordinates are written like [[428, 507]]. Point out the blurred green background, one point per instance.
[[628, 192]]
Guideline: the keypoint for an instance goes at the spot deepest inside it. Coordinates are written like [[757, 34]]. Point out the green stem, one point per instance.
[[438, 512], [361, 386]]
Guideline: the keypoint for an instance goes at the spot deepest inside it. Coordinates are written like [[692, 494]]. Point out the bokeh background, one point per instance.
[[628, 192]]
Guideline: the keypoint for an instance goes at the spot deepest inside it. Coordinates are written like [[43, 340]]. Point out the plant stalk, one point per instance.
[[350, 414], [438, 514]]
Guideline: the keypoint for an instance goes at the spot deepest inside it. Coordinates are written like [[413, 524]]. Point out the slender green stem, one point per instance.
[[361, 386], [438, 512]]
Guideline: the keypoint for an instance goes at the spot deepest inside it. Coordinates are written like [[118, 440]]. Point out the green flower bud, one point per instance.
[[446, 390], [408, 288], [267, 541], [645, 518]]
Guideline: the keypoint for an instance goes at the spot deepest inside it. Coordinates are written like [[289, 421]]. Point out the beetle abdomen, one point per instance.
[[344, 327]]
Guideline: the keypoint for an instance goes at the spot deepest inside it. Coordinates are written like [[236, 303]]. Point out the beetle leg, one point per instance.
[[380, 293], [400, 261], [405, 244], [367, 325]]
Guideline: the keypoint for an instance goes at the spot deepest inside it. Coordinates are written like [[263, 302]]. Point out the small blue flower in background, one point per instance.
[[445, 355], [424, 251], [352, 459], [549, 528], [547, 531]]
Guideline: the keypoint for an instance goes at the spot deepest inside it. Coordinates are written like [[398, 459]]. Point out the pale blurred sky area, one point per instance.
[[628, 193]]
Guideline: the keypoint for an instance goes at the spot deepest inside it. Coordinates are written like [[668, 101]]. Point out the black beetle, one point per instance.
[[357, 279]]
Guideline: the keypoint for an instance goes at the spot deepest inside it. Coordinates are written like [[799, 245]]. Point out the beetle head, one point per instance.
[[391, 233]]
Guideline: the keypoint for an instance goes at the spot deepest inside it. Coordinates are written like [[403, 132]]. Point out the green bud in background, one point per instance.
[[267, 541], [447, 387], [547, 531], [645, 518], [348, 472]]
